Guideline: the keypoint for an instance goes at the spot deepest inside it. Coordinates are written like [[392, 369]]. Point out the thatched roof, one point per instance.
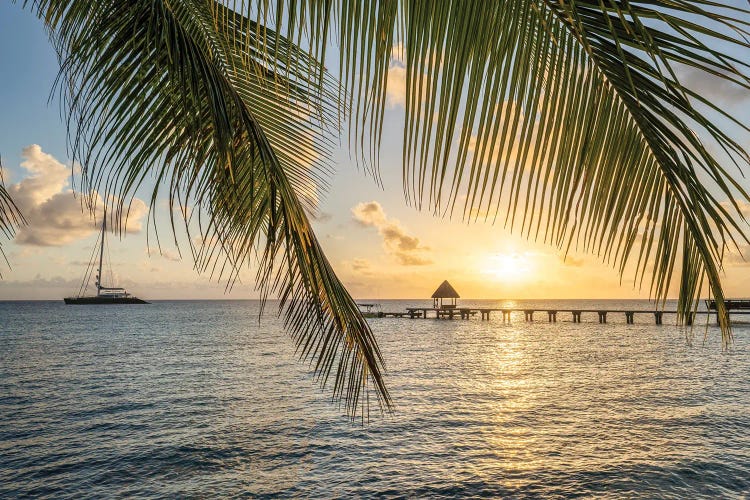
[[445, 291]]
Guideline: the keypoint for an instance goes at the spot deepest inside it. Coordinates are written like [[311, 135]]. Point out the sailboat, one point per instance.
[[104, 294]]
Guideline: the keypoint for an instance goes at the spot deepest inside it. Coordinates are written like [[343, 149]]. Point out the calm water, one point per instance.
[[198, 399]]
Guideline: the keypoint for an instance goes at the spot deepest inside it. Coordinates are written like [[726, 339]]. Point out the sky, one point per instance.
[[379, 246]]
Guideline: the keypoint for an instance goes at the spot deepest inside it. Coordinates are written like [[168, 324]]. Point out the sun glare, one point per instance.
[[509, 266]]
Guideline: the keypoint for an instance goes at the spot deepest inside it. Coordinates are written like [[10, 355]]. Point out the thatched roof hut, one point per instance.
[[445, 291]]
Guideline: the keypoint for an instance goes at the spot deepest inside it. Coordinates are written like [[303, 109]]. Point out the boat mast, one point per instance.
[[101, 257]]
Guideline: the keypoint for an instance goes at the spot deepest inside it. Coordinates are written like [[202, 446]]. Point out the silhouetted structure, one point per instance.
[[104, 294], [443, 292]]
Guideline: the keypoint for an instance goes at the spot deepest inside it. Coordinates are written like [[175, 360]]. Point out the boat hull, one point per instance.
[[103, 300]]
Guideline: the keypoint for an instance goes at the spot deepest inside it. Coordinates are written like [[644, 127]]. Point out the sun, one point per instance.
[[512, 266]]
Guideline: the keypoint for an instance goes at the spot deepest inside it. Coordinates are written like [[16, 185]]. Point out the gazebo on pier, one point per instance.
[[445, 296]]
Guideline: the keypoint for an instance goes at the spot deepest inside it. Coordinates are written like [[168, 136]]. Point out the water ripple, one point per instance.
[[198, 400]]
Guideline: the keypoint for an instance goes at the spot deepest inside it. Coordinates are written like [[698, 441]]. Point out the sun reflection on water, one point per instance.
[[484, 409]]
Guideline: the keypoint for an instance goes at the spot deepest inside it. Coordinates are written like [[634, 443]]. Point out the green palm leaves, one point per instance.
[[10, 217], [563, 119], [179, 92]]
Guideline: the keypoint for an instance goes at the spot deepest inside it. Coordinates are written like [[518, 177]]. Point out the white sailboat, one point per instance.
[[104, 294]]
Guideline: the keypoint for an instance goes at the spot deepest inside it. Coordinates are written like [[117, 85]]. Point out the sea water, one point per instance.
[[200, 399]]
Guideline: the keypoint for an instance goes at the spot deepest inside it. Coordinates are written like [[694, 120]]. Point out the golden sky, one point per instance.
[[379, 246]]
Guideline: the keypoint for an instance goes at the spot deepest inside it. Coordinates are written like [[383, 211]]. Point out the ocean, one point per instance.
[[200, 399]]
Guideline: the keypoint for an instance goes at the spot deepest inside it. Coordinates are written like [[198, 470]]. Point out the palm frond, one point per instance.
[[566, 120], [10, 216], [179, 92]]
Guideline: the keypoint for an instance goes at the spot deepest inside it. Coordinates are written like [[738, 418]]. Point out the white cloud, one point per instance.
[[369, 214], [396, 91], [710, 86], [395, 94], [407, 249], [737, 257], [743, 206], [398, 53], [55, 216], [165, 253]]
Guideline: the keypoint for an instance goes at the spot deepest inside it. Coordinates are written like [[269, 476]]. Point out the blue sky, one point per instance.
[[379, 246]]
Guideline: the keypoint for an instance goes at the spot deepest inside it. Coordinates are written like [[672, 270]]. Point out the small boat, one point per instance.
[[370, 310], [104, 294]]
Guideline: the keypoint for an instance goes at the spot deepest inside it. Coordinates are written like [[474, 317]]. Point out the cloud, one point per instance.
[[164, 253], [395, 94], [78, 263], [360, 266], [43, 283], [711, 87], [321, 216], [170, 255], [55, 216], [744, 207], [733, 257], [404, 247], [571, 261], [369, 214], [396, 91], [398, 53]]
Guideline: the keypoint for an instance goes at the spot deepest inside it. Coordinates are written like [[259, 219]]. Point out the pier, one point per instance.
[[444, 306], [549, 315]]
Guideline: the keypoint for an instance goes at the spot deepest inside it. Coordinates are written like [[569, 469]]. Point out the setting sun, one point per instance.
[[509, 266]]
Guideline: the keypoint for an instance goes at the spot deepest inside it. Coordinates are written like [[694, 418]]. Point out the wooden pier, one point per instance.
[[528, 314], [444, 306]]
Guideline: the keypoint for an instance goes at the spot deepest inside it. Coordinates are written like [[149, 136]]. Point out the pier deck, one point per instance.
[[528, 313]]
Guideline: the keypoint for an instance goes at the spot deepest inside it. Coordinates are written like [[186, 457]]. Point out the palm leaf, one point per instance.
[[566, 117], [10, 216], [179, 92], [565, 120]]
